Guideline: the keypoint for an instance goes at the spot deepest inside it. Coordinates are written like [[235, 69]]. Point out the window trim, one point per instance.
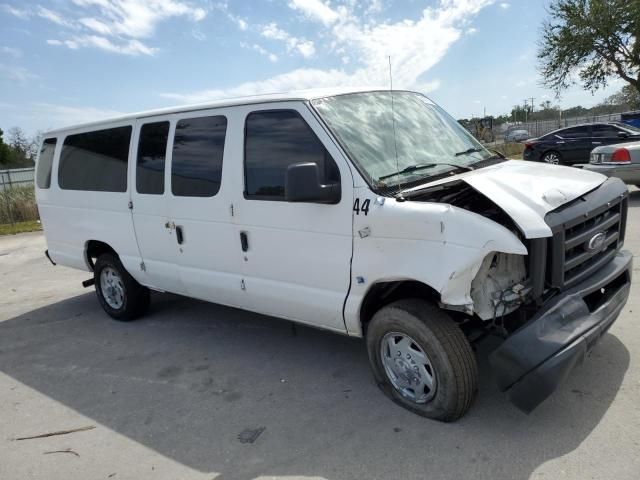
[[277, 198]]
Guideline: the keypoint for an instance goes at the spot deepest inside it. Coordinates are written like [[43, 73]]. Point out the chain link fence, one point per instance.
[[537, 128], [16, 177]]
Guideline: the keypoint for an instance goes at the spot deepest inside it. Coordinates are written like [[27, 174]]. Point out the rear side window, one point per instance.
[[196, 164], [95, 161], [45, 161], [152, 152], [273, 141], [605, 131], [576, 132]]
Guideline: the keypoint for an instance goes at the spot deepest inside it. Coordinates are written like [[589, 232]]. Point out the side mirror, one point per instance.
[[302, 184]]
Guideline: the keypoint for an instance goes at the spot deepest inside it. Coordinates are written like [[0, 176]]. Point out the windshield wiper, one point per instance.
[[470, 150], [423, 166]]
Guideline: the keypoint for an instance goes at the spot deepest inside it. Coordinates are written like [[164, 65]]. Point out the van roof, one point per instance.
[[299, 95]]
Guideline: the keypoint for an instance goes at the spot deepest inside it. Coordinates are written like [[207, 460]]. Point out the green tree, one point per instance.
[[628, 97], [589, 42]]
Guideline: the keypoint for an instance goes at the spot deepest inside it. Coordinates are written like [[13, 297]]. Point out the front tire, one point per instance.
[[421, 360], [552, 157], [120, 295]]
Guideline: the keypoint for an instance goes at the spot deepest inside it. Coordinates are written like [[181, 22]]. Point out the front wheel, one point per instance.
[[120, 295], [553, 158], [421, 360]]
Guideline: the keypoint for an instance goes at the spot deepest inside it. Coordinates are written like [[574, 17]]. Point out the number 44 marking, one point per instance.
[[364, 208]]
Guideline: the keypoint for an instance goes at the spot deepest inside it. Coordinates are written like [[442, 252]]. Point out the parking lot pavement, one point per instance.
[[200, 391]]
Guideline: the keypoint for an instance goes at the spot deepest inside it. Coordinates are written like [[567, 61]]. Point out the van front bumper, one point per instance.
[[538, 357]]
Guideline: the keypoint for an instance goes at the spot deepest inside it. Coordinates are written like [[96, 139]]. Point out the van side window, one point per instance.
[[198, 148], [152, 151], [274, 140], [45, 161], [95, 161]]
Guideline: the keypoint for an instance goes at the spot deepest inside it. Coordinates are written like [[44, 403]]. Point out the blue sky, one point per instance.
[[69, 61]]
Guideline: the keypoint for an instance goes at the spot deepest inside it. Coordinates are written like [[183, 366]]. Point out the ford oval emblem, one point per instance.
[[596, 242]]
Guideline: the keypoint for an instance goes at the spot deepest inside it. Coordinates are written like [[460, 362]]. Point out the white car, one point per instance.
[[369, 213]]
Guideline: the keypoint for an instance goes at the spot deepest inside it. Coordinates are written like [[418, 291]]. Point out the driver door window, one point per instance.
[[274, 140]]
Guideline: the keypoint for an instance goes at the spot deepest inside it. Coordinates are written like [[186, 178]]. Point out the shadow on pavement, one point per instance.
[[196, 382]]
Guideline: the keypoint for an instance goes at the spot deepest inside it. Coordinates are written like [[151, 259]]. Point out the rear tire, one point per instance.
[[422, 327], [120, 295], [552, 157]]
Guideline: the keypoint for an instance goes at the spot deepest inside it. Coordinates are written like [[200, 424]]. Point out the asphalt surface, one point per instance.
[[200, 391]]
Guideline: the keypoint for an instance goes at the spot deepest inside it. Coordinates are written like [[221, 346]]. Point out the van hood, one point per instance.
[[527, 191]]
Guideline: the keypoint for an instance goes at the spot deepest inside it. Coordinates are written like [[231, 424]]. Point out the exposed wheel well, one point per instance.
[[383, 293], [95, 248]]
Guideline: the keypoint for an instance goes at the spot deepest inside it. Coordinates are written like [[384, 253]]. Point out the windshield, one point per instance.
[[424, 134]]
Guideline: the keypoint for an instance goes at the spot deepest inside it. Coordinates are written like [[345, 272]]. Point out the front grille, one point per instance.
[[602, 212]]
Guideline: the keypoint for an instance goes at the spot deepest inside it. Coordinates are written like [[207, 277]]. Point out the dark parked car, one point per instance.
[[572, 145]]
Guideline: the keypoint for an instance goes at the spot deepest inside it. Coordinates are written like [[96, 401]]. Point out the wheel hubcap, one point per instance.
[[552, 158], [408, 367], [112, 288]]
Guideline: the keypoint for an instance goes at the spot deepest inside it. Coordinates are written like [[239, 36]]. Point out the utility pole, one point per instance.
[[525, 110]]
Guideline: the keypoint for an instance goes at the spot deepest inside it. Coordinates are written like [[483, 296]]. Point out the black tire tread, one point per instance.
[[138, 296], [456, 346]]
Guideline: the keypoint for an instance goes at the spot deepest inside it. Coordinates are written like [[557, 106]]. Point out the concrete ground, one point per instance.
[[200, 391]]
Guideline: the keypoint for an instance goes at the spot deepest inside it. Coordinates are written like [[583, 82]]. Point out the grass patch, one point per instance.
[[20, 227], [510, 150], [18, 204]]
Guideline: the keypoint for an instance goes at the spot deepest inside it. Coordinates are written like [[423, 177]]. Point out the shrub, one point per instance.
[[18, 204]]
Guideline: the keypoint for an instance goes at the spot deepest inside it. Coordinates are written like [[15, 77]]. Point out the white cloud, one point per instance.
[[505, 5], [262, 51], [471, 31], [16, 12], [16, 73], [117, 26], [36, 114], [53, 16], [128, 47], [14, 52], [415, 46], [304, 47], [315, 9]]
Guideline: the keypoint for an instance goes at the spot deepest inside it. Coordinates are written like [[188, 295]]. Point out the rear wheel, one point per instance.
[[120, 295], [552, 157], [421, 359]]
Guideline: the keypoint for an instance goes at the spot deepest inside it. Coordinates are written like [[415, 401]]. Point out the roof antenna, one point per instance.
[[395, 143]]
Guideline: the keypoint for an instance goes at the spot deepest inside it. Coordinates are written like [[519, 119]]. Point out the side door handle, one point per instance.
[[244, 241], [596, 143], [179, 234]]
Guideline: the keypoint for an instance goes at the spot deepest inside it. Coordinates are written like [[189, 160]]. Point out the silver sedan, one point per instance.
[[621, 160]]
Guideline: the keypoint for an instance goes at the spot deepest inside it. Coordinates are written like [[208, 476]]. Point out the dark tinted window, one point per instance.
[[152, 151], [45, 161], [198, 148], [575, 132], [274, 140], [95, 161], [605, 131]]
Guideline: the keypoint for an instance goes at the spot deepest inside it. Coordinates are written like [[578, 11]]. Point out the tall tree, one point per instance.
[[589, 42]]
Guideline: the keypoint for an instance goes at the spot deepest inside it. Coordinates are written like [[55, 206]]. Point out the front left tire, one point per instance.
[[421, 359], [119, 294]]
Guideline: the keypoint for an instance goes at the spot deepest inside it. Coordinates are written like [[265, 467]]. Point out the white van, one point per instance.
[[366, 212]]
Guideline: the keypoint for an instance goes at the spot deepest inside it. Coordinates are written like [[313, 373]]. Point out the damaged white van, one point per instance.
[[368, 213]]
